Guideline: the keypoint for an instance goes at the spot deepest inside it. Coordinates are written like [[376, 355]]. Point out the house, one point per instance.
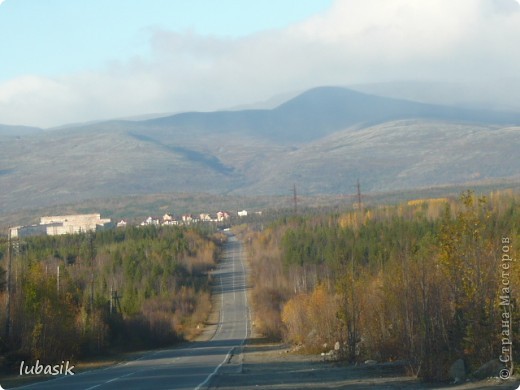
[[121, 224], [242, 213], [173, 222], [204, 217], [167, 217], [222, 215], [187, 218], [150, 221]]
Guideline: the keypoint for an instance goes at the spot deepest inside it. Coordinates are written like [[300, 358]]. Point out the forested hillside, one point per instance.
[[425, 282], [80, 295]]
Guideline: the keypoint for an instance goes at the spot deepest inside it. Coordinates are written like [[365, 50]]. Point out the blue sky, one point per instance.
[[66, 61], [50, 37]]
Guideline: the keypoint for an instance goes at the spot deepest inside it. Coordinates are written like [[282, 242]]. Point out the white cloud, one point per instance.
[[355, 41]]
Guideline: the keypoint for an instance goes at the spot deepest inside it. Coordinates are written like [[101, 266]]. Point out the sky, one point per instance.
[[65, 61]]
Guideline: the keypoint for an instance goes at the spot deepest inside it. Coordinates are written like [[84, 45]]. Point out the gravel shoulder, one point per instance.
[[266, 365]]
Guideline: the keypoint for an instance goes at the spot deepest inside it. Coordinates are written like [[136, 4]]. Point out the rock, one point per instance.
[[330, 356], [488, 370], [337, 346], [297, 348], [370, 362], [458, 371]]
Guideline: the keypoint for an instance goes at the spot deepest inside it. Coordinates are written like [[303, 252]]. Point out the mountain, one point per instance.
[[320, 112], [18, 131], [323, 140], [398, 155], [484, 95]]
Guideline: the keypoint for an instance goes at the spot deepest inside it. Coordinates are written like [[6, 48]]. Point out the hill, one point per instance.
[[398, 155], [322, 140], [322, 111], [17, 131]]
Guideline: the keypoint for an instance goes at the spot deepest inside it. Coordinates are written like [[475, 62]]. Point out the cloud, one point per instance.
[[353, 42]]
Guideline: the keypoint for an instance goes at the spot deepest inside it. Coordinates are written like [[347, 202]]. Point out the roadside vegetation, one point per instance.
[[420, 282], [84, 295]]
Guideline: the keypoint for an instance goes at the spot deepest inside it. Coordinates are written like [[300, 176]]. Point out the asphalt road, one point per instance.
[[192, 366]]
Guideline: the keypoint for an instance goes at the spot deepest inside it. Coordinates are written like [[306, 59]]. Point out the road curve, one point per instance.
[[192, 366]]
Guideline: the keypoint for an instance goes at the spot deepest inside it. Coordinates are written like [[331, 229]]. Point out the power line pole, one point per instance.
[[115, 304], [8, 286], [295, 199], [111, 299], [92, 257], [92, 293], [359, 201], [58, 281]]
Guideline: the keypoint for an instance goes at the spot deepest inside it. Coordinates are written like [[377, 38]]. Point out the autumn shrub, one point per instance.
[[311, 319], [83, 294], [267, 305], [417, 282]]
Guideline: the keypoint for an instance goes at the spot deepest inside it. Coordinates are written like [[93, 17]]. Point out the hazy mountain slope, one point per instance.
[[18, 131], [60, 168], [320, 112], [397, 155], [322, 140], [484, 95]]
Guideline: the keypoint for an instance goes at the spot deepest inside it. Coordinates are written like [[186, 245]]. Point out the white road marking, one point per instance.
[[215, 371], [112, 380]]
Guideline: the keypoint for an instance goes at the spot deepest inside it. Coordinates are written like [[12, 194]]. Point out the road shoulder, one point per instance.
[[268, 365]]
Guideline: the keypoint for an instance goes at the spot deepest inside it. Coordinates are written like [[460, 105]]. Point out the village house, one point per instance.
[[187, 218], [151, 221], [121, 224], [222, 216], [204, 217]]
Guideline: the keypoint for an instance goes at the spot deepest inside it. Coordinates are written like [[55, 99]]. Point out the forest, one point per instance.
[[84, 295], [426, 282]]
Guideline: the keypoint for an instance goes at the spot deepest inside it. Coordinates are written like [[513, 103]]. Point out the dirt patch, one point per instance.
[[266, 365]]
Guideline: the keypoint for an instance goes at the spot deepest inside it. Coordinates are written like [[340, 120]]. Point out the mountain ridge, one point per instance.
[[323, 140], [342, 107]]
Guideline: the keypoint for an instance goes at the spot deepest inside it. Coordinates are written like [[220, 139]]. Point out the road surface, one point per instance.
[[193, 366]]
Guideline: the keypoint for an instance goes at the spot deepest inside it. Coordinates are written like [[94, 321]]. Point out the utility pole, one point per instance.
[[92, 293], [115, 304], [295, 199], [8, 286], [111, 298], [359, 200], [92, 256], [58, 281]]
